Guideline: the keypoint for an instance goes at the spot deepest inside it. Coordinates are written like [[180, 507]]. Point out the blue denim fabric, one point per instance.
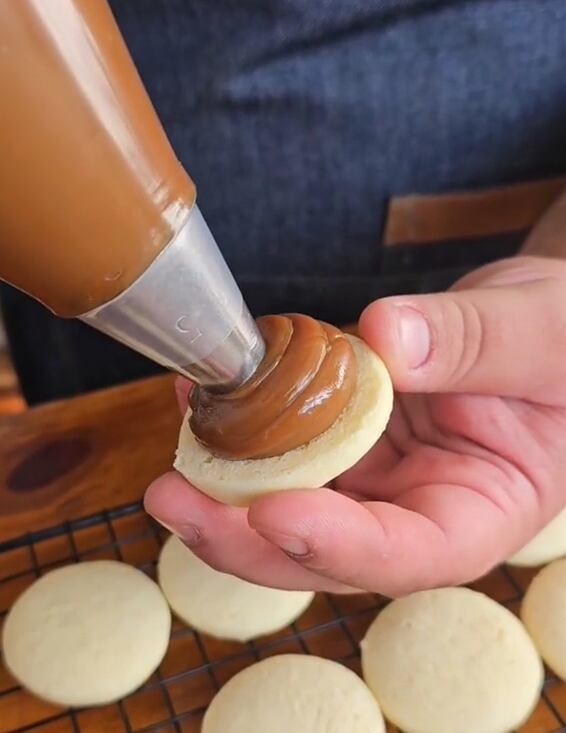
[[298, 119]]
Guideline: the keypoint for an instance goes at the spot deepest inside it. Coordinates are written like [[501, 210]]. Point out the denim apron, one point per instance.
[[300, 120]]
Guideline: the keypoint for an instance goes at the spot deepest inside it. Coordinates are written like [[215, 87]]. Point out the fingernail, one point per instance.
[[293, 546], [414, 332], [188, 533]]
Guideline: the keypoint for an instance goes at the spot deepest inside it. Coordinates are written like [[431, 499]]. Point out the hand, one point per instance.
[[472, 465]]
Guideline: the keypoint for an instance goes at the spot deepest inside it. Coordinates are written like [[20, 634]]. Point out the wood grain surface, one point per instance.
[[196, 665], [73, 458]]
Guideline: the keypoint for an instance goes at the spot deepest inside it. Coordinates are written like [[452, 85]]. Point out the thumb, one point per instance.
[[508, 340]]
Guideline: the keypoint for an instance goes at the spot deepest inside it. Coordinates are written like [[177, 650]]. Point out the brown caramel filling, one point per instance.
[[306, 379], [90, 189]]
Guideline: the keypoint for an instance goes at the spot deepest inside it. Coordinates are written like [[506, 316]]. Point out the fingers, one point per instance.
[[220, 535], [373, 476], [438, 535], [320, 540], [489, 340], [182, 390]]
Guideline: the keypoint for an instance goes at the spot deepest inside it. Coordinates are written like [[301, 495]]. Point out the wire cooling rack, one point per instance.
[[196, 666]]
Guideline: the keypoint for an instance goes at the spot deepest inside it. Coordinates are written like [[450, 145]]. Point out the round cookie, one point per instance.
[[544, 614], [293, 692], [549, 544], [87, 634], [451, 660], [222, 605], [312, 465]]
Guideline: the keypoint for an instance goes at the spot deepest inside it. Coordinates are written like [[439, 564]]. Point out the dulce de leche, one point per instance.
[[90, 189], [305, 381]]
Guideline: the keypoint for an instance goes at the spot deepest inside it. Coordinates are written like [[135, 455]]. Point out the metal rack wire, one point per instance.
[[195, 667]]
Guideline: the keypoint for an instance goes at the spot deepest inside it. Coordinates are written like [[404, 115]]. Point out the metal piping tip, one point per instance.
[[187, 313]]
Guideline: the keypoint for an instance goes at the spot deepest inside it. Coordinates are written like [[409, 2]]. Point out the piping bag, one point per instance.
[[98, 219]]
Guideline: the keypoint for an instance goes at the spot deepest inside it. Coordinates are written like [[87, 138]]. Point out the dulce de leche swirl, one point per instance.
[[306, 379]]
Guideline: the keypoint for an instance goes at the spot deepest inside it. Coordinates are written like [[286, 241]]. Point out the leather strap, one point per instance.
[[426, 219]]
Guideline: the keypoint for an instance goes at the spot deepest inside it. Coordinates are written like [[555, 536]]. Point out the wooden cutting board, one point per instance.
[[74, 473]]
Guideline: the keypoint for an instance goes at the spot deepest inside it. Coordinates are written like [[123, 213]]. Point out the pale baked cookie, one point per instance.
[[87, 634], [294, 693], [549, 544], [544, 614], [222, 605], [451, 661], [310, 466]]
